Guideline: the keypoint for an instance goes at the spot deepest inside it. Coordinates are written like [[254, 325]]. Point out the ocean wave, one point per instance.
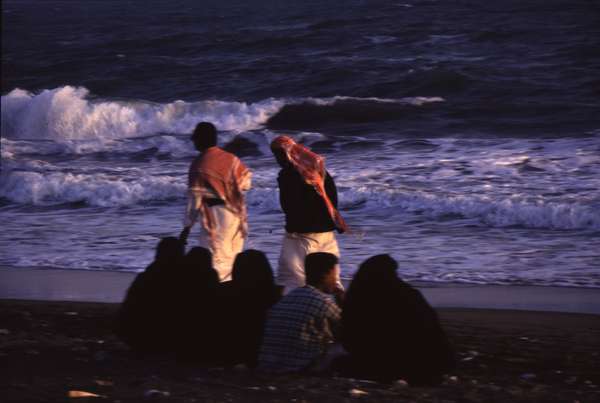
[[103, 189], [68, 113], [493, 212], [71, 117], [317, 112]]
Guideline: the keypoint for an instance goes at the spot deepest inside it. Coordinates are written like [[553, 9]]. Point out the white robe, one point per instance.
[[228, 240]]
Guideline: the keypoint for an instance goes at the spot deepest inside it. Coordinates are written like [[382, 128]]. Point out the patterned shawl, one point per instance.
[[311, 167], [223, 173]]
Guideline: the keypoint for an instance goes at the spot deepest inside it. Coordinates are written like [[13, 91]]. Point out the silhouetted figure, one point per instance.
[[194, 298], [144, 320], [389, 329], [301, 328], [243, 304]]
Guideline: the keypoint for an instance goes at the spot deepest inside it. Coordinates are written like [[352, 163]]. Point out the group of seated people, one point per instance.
[[381, 328]]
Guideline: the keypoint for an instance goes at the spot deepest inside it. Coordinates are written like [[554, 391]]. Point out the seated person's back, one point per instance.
[[390, 330], [194, 297], [303, 324], [243, 303], [144, 318]]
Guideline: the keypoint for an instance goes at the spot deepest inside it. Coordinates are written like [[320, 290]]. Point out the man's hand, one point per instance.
[[339, 294], [184, 235]]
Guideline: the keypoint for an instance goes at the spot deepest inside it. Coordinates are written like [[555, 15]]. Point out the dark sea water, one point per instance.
[[464, 135]]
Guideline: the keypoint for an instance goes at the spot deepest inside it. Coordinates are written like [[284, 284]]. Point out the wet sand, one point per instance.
[[110, 286]]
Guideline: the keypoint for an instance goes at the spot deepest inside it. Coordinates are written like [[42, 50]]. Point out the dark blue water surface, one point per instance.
[[464, 136], [508, 68]]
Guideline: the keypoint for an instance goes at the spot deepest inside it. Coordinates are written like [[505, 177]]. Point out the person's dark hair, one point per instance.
[[251, 269], [318, 265], [169, 249], [204, 136]]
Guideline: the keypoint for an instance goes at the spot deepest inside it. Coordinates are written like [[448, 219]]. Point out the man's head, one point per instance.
[[280, 157], [204, 136], [278, 147], [321, 270]]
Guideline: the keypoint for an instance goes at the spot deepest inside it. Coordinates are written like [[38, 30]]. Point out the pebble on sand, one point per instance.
[[357, 393]]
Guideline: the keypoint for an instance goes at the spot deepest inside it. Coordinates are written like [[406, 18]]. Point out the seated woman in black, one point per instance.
[[143, 320], [389, 329], [193, 307], [243, 305]]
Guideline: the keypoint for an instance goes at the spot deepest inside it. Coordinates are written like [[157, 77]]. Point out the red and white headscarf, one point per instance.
[[311, 167]]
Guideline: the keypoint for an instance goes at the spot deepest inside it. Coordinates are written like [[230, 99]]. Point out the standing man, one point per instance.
[[308, 198], [216, 184]]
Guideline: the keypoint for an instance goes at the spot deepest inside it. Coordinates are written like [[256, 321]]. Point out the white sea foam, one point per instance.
[[29, 187], [45, 187], [495, 212], [66, 113], [415, 101], [70, 117], [381, 39]]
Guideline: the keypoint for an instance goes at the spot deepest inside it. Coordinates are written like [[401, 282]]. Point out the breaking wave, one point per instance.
[[105, 190], [68, 114]]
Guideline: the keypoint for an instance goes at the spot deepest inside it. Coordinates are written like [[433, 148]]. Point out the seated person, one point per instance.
[[143, 320], [193, 301], [243, 303], [301, 327], [389, 329]]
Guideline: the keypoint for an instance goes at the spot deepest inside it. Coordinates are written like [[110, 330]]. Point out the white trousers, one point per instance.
[[228, 241], [296, 246]]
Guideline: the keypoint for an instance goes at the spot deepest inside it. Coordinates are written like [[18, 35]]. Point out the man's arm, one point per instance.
[[192, 209], [331, 189], [245, 181]]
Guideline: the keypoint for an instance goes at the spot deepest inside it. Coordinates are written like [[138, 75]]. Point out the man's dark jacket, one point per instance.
[[305, 211]]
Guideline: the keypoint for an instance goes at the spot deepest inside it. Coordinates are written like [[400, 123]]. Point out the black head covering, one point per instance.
[[252, 270], [389, 329], [376, 273], [169, 248]]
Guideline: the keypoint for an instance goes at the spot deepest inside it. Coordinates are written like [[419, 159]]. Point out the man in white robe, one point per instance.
[[216, 184]]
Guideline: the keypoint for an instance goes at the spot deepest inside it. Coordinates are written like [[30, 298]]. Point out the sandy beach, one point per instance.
[[53, 350], [110, 286]]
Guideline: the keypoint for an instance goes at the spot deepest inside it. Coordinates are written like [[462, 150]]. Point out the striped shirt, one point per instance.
[[298, 331]]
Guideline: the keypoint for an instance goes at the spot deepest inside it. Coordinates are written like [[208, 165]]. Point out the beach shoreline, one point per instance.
[[111, 286], [52, 349]]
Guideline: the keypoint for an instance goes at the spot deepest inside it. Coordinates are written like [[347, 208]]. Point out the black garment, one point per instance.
[[195, 313], [144, 319], [241, 321], [305, 211], [391, 331]]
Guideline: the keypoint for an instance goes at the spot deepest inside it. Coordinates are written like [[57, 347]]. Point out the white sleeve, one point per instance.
[[193, 207]]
